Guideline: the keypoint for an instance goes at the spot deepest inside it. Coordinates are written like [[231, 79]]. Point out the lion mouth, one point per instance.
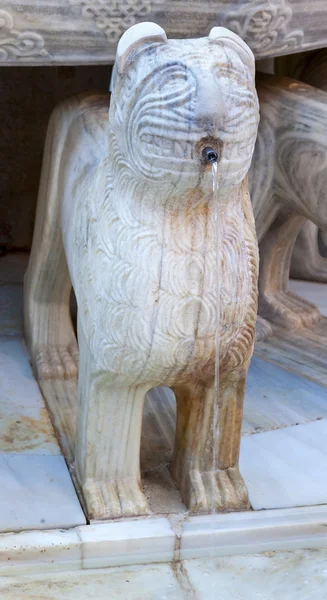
[[171, 152], [157, 146]]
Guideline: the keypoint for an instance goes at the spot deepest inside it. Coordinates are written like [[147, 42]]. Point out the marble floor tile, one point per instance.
[[312, 291], [286, 467], [299, 575], [301, 351], [146, 582], [25, 425], [277, 398], [37, 493]]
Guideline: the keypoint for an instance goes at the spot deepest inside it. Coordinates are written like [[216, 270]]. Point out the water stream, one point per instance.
[[215, 189]]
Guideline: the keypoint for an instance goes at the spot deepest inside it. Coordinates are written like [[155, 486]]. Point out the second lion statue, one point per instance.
[[127, 215]]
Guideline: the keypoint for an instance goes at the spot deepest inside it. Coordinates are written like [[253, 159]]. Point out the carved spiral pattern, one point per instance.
[[18, 44], [263, 25]]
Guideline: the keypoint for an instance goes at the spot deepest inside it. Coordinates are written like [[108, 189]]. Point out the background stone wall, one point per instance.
[[27, 98]]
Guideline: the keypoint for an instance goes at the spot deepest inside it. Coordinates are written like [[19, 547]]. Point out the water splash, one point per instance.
[[215, 190]]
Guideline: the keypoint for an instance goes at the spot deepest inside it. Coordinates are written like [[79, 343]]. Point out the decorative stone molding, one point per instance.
[[113, 17], [18, 44], [87, 31], [264, 26]]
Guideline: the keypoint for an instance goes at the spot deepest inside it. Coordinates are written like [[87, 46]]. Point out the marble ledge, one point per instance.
[[157, 540]]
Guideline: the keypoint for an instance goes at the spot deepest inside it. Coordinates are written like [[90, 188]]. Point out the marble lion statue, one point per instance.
[[288, 184], [162, 267]]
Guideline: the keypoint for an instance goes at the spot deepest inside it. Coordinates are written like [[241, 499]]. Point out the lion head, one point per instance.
[[172, 99]]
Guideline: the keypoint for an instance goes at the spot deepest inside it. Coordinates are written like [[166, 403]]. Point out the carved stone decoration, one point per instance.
[[113, 17], [291, 157], [264, 25], [72, 28], [18, 44], [127, 215]]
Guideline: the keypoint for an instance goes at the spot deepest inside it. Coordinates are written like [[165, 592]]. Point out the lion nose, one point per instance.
[[210, 109]]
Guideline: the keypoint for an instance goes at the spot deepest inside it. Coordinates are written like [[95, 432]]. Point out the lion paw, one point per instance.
[[216, 491], [113, 499], [57, 362], [285, 309]]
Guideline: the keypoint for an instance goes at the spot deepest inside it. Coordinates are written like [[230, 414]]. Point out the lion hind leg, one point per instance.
[[49, 331]]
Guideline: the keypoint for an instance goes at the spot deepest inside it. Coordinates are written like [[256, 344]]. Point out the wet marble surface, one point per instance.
[[299, 575]]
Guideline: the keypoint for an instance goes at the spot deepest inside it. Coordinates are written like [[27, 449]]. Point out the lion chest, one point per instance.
[[151, 305]]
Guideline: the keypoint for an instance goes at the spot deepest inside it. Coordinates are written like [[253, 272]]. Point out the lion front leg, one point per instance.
[[49, 330], [108, 441], [205, 464], [277, 304]]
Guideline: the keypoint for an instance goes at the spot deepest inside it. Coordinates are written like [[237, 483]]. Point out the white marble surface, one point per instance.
[[277, 398], [312, 291], [36, 488], [34, 551], [138, 541], [286, 467], [152, 540], [37, 493], [300, 575], [25, 425], [150, 582], [203, 536]]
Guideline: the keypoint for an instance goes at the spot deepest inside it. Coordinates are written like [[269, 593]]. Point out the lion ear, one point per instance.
[[134, 37], [221, 34]]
